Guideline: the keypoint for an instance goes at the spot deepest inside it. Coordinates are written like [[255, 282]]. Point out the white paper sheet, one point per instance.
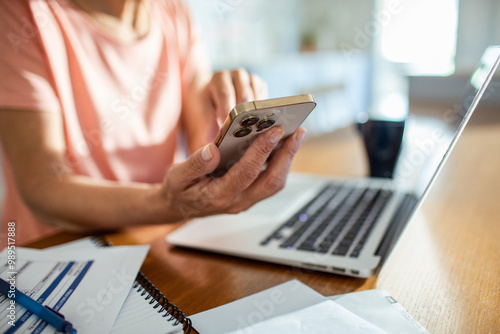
[[380, 309], [291, 304], [323, 318], [137, 313], [88, 287]]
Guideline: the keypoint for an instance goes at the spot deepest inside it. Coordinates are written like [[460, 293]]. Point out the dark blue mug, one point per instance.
[[382, 139]]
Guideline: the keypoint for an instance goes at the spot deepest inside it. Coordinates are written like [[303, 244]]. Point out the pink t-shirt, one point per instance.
[[120, 102]]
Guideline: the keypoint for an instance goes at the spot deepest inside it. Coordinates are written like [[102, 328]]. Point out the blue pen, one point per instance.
[[45, 313]]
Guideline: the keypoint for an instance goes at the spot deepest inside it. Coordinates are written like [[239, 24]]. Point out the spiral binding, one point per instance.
[[146, 288]]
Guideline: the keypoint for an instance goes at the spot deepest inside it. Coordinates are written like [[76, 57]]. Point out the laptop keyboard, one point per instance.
[[337, 221]]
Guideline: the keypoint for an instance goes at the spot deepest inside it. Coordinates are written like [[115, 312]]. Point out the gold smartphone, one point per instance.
[[249, 119]]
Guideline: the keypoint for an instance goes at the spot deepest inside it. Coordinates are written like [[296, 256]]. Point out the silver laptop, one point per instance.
[[343, 226]]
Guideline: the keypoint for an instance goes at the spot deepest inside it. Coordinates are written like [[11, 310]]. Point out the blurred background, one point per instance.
[[357, 57], [376, 58]]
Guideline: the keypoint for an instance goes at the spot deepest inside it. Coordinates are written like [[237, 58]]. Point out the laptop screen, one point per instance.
[[421, 160]]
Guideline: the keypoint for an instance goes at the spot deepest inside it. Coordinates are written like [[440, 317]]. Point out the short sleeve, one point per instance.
[[25, 78]]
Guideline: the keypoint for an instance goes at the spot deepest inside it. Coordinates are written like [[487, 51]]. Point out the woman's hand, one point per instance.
[[188, 192], [209, 100], [227, 89]]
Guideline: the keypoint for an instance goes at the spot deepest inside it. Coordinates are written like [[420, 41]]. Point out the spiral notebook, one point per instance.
[[145, 306]]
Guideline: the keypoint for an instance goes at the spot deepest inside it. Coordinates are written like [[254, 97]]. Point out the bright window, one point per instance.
[[422, 35]]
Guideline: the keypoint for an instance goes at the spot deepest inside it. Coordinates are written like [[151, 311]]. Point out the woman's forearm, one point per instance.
[[82, 204], [33, 142]]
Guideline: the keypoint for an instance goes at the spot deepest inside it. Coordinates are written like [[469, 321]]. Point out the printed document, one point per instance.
[[88, 287]]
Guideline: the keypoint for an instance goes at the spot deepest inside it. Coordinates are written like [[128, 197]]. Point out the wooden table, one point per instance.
[[445, 270]]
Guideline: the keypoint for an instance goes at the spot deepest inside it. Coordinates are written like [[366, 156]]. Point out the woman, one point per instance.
[[96, 97]]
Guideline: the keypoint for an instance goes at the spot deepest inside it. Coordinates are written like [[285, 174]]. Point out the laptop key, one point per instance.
[[323, 220], [312, 218], [299, 219], [370, 220], [341, 249], [347, 240], [344, 215]]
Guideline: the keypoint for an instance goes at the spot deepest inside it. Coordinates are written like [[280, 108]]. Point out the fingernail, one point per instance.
[[206, 154], [276, 135], [300, 135]]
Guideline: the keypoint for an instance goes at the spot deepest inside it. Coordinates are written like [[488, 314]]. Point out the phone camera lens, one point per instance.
[[242, 132], [264, 124], [249, 121]]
